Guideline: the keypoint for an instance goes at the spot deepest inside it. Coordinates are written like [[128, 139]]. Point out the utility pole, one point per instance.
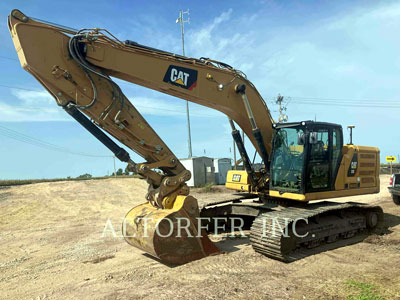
[[182, 21], [234, 155], [115, 172], [282, 116]]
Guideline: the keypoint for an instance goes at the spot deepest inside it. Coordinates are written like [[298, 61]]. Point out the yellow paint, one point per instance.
[[291, 196], [238, 180], [237, 186], [179, 81]]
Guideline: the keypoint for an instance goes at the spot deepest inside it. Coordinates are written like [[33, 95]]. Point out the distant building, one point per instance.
[[202, 169], [207, 170], [221, 167]]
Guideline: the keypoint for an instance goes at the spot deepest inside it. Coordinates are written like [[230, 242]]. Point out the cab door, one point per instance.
[[324, 154], [319, 167]]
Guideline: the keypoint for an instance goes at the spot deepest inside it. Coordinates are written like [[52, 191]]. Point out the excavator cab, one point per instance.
[[305, 157]]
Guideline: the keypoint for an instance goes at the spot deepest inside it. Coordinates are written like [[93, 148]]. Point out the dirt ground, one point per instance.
[[51, 247]]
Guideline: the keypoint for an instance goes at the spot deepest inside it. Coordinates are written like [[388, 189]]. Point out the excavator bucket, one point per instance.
[[175, 235]]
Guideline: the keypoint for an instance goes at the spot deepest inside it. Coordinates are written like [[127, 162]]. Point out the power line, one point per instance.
[[22, 108], [382, 102], [302, 100], [368, 103], [142, 106], [339, 102], [328, 99], [348, 104], [18, 88], [30, 108], [4, 131], [9, 58], [343, 99]]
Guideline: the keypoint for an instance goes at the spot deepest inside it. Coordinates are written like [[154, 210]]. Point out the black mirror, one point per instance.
[[301, 139], [313, 138]]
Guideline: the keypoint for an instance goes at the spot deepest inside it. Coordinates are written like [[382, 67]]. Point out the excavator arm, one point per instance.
[[77, 66]]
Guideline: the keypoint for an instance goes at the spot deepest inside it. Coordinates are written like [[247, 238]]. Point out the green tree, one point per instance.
[[84, 176]]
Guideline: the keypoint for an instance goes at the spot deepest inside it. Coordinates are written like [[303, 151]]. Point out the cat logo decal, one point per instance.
[[182, 77]]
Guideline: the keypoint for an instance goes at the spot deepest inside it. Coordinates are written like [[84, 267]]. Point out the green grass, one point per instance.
[[362, 291], [207, 188]]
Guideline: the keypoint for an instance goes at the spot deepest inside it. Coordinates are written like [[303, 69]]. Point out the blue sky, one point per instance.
[[330, 59]]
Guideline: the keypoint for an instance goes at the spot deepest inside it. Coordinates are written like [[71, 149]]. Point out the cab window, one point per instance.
[[337, 144], [288, 159], [319, 168]]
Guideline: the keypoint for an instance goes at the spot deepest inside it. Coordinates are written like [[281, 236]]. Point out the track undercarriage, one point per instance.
[[288, 233]]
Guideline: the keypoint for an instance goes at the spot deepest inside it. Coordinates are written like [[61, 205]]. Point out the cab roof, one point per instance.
[[307, 124]]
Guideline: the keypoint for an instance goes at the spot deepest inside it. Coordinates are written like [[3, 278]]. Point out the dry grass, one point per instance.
[[11, 182], [209, 188]]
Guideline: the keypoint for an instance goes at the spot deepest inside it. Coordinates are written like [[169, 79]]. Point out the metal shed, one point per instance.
[[222, 166], [202, 169]]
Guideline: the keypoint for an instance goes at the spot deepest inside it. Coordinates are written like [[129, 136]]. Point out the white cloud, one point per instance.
[[172, 107], [156, 107], [352, 55], [204, 35], [33, 98], [382, 15], [348, 55], [39, 106], [208, 41], [9, 113], [32, 106]]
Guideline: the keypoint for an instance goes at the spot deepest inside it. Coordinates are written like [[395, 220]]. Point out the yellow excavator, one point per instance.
[[304, 161]]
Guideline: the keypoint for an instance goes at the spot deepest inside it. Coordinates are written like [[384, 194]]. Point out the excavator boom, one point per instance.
[[77, 66], [202, 81]]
